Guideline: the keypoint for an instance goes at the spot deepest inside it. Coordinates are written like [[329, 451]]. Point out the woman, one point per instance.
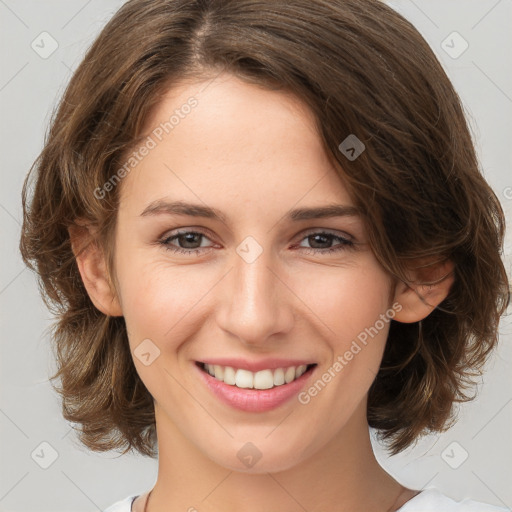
[[265, 229]]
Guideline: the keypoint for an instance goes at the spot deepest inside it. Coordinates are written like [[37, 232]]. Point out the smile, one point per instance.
[[263, 379], [259, 387]]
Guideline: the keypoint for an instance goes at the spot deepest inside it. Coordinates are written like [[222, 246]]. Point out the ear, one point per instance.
[[433, 283], [91, 264]]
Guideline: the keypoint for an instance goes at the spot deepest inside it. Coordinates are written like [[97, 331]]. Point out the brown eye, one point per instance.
[[321, 242], [186, 242]]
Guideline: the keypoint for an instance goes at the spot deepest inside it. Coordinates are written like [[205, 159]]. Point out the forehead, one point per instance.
[[225, 142]]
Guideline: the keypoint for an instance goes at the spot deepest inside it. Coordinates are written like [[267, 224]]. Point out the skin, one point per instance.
[[253, 154]]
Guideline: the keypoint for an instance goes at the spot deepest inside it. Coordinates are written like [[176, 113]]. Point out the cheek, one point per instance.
[[345, 301], [349, 303], [157, 299]]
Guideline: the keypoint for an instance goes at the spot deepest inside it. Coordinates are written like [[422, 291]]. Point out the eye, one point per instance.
[[190, 242], [188, 239], [322, 243]]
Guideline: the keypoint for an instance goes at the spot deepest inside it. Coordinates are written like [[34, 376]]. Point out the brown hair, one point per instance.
[[362, 69]]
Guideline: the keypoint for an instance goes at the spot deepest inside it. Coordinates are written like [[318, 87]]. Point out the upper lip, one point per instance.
[[255, 366]]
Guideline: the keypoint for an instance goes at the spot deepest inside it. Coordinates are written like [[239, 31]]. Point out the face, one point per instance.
[[252, 280]]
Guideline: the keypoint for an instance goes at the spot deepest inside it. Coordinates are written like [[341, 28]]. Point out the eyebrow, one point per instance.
[[160, 207]]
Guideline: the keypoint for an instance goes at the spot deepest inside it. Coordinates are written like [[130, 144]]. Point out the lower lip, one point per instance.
[[255, 400]]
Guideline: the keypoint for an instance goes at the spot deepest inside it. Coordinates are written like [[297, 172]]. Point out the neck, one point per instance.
[[343, 475]]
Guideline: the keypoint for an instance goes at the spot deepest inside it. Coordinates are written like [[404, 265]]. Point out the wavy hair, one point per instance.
[[362, 69]]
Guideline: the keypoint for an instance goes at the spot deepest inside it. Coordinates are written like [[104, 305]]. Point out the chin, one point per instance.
[[259, 458]]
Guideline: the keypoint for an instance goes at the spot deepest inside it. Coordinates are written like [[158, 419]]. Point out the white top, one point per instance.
[[428, 500]]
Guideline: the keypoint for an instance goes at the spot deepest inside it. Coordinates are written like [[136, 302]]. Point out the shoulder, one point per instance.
[[122, 506], [432, 500]]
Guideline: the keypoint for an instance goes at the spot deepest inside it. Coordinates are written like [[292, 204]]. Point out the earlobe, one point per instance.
[[419, 300], [91, 264]]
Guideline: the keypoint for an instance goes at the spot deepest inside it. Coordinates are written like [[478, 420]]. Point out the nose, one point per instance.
[[256, 305]]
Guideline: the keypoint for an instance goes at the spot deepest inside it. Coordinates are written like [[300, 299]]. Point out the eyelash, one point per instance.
[[345, 243]]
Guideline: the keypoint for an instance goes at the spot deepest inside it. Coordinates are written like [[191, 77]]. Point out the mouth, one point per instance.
[[262, 379], [255, 391]]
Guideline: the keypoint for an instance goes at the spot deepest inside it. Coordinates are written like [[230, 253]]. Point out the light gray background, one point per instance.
[[79, 480]]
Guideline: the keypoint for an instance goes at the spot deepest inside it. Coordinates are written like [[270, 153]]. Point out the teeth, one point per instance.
[[229, 376], [219, 372], [289, 374], [244, 379], [298, 372], [278, 377], [264, 379]]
